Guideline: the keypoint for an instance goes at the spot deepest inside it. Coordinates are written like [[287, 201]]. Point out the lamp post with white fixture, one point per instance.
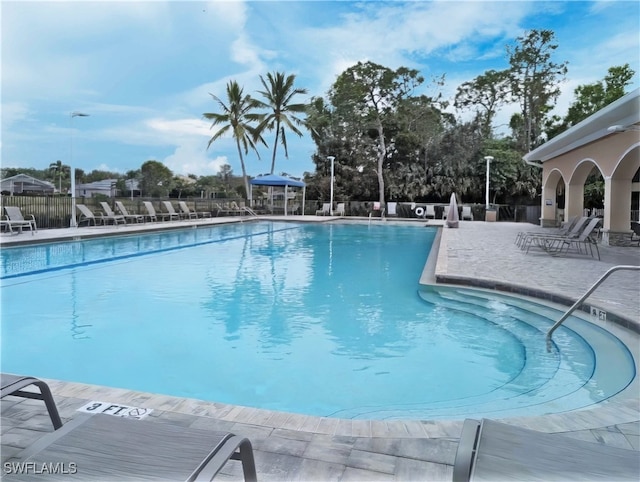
[[73, 223], [331, 158], [488, 159]]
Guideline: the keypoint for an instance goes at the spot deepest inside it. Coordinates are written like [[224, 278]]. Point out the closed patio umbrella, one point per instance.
[[452, 213]]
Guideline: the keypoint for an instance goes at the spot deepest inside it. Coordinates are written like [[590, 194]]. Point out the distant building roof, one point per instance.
[[21, 183]]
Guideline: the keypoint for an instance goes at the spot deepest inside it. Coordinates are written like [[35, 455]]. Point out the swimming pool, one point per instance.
[[322, 320]]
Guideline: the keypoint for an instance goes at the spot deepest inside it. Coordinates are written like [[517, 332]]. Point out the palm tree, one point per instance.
[[59, 169], [279, 91], [237, 117]]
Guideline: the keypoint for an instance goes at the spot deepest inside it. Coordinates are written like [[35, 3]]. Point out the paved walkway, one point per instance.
[[296, 447]]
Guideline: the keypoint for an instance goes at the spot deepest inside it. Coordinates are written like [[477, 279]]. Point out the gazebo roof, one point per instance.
[[273, 180]]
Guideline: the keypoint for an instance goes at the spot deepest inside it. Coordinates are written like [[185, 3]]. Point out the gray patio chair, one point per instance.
[[105, 447], [188, 213], [490, 450], [339, 210], [110, 215], [13, 385], [171, 212], [557, 244], [15, 219], [87, 216], [151, 211], [528, 238], [138, 218], [563, 230]]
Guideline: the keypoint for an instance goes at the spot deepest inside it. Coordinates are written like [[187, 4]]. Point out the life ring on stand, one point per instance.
[[419, 212]]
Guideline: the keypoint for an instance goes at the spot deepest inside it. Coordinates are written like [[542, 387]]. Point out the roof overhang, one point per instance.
[[623, 112]]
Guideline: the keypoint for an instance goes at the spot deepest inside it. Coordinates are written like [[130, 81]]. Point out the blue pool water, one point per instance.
[[323, 320]]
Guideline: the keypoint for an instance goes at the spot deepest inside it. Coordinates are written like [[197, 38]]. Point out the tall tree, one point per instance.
[[535, 79], [156, 179], [237, 117], [59, 169], [590, 98], [486, 93], [364, 97], [279, 92]]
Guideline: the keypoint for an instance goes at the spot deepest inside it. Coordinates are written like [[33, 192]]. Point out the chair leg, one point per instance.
[[47, 397]]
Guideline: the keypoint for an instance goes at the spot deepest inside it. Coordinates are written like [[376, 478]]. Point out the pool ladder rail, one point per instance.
[[585, 296]]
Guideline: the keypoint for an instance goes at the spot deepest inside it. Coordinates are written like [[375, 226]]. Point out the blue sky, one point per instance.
[[144, 70]]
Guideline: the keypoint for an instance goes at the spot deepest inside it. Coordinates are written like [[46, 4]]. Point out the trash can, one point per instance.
[[491, 215]]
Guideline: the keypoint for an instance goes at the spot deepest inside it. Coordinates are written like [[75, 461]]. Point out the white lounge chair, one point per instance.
[[392, 209], [466, 213], [339, 210], [171, 212], [109, 214], [325, 211], [192, 214], [138, 218], [151, 211], [87, 216], [430, 211], [17, 220]]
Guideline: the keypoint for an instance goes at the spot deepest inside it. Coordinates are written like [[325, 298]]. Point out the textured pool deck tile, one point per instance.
[[304, 448]]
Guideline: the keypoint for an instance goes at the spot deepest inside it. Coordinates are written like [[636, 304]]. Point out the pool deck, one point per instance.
[[297, 447]]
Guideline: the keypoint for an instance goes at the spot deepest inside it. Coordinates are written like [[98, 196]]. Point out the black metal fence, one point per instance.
[[55, 211]]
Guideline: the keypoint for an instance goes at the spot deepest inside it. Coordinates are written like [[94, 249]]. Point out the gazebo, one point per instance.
[[279, 181]]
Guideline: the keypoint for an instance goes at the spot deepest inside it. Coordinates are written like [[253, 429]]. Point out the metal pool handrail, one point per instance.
[[584, 297]]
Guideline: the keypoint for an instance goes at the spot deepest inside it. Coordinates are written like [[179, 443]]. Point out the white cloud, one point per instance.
[[192, 159]]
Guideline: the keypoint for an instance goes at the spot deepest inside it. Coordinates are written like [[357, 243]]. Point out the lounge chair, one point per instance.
[[192, 214], [392, 209], [377, 208], [490, 450], [325, 211], [13, 385], [339, 210], [430, 211], [15, 219], [138, 218], [466, 213], [171, 212], [110, 215], [235, 209], [87, 216], [563, 230], [524, 239], [151, 211], [105, 447], [557, 244]]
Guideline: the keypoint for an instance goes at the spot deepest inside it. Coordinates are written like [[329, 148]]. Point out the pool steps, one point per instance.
[[559, 389]]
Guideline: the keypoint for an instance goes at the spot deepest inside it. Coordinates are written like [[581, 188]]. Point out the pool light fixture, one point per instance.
[[73, 223]]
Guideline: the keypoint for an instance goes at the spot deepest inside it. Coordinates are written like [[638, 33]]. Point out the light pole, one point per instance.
[[488, 159], [331, 158], [73, 223]]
